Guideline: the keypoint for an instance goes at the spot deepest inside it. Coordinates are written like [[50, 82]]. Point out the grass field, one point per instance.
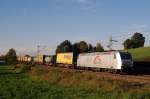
[[6, 69], [44, 83], [91, 87], [21, 87], [71, 86], [12, 69], [142, 54]]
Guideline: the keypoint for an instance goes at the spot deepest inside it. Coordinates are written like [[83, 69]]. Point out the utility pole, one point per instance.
[[39, 49], [38, 52], [111, 43]]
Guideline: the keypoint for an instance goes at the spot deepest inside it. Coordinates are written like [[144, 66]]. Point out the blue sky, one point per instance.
[[26, 23]]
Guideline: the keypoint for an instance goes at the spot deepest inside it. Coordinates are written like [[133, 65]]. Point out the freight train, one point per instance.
[[113, 60], [39, 59]]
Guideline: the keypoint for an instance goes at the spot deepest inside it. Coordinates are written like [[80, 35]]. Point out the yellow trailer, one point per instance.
[[39, 58], [64, 58]]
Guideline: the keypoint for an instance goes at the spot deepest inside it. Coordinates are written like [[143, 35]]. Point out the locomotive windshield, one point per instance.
[[125, 56]]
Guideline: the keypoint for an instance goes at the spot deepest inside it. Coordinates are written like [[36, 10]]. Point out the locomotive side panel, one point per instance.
[[98, 60]]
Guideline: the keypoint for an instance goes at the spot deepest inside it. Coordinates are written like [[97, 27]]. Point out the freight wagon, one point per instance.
[[48, 60], [43, 59], [64, 59], [114, 60], [25, 58], [39, 59]]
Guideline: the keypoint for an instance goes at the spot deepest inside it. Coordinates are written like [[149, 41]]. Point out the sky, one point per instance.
[[24, 24]]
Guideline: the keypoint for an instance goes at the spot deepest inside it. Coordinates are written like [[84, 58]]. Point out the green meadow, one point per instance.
[[54, 83], [141, 54]]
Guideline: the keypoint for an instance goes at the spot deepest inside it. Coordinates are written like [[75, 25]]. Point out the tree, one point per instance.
[[90, 48], [127, 44], [65, 46], [75, 48], [99, 48], [11, 57], [136, 41], [76, 52], [82, 46]]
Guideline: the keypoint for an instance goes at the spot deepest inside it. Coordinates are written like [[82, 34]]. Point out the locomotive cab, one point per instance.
[[126, 61]]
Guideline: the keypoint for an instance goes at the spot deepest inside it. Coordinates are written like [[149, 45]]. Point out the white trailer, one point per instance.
[[109, 60], [48, 59]]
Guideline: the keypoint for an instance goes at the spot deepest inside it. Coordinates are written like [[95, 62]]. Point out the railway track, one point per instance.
[[126, 77], [139, 78]]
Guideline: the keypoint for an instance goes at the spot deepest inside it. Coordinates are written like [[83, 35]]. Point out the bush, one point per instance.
[[11, 57]]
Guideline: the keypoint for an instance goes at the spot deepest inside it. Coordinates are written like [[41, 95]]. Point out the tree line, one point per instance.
[[136, 41], [10, 58], [79, 47]]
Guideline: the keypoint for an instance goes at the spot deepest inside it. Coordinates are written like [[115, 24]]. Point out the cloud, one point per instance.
[[84, 1], [139, 27], [85, 5]]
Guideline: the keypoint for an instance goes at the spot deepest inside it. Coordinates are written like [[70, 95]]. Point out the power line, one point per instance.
[[110, 44], [40, 48], [120, 38]]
